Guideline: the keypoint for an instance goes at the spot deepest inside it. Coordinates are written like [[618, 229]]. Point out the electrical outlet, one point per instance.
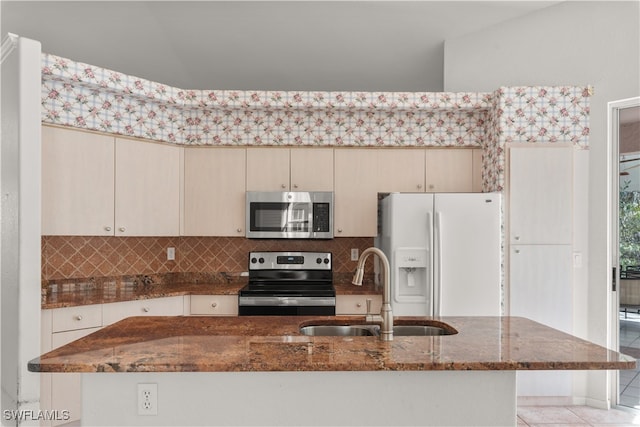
[[171, 254], [148, 399], [355, 254]]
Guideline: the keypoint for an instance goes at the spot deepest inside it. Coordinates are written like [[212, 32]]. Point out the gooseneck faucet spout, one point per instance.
[[386, 315]]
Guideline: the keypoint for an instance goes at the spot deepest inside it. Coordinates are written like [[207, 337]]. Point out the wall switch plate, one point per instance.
[[355, 254], [171, 254], [148, 399]]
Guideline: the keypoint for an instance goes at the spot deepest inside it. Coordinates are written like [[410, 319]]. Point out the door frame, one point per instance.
[[613, 143]]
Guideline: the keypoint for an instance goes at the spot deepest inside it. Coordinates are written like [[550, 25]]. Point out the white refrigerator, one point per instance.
[[444, 250]]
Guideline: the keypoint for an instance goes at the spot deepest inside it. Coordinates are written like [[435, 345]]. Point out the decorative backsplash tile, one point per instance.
[[72, 257]]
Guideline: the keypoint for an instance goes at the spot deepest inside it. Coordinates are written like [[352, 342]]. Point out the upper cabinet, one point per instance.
[[77, 183], [214, 191], [540, 195], [401, 169], [449, 170], [289, 169], [95, 185], [147, 189], [356, 192]]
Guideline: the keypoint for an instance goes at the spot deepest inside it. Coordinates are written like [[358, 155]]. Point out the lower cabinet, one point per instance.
[[169, 306], [213, 305], [59, 327], [357, 304]]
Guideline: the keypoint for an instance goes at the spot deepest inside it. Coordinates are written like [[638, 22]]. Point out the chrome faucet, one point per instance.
[[386, 315]]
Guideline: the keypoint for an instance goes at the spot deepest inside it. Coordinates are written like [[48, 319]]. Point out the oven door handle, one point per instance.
[[274, 301]]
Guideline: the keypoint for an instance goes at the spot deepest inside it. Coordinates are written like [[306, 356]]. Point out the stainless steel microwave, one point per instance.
[[289, 215]]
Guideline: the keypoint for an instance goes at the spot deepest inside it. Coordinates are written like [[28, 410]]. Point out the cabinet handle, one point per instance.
[[145, 309], [107, 228], [79, 317], [122, 229], [214, 304]]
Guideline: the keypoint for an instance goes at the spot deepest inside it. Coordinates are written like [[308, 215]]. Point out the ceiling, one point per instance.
[[264, 45]]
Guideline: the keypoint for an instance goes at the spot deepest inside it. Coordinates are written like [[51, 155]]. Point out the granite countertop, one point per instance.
[[86, 293], [274, 343]]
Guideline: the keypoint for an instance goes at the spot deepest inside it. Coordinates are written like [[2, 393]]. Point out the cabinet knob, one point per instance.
[[283, 186], [239, 230], [79, 317], [214, 304], [359, 305], [122, 229], [517, 251], [107, 228], [145, 309], [516, 237], [431, 186], [295, 185], [339, 230], [419, 186]]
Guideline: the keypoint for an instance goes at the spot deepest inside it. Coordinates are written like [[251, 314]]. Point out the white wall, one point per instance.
[[573, 43], [20, 245]]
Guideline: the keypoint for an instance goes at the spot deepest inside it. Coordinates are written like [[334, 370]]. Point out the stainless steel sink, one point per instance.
[[338, 330], [419, 330]]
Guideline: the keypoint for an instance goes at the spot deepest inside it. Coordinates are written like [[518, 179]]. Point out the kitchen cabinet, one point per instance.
[[540, 195], [449, 170], [214, 191], [401, 169], [289, 169], [214, 305], [356, 192], [77, 183], [147, 189], [95, 185], [357, 304], [59, 327], [169, 306]]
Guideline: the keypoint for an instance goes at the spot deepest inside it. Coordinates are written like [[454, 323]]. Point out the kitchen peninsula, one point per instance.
[[262, 370]]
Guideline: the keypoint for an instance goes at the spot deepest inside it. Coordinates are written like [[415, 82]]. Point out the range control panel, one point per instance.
[[290, 261]]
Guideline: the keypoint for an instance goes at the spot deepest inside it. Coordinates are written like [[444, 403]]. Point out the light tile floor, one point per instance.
[[548, 416]]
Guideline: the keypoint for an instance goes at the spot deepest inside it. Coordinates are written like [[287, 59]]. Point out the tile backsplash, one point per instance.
[[75, 257]]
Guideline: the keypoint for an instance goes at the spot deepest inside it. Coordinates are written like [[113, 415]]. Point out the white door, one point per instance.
[[467, 260]]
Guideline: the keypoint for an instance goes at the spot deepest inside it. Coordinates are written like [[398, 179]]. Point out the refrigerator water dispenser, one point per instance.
[[410, 277]]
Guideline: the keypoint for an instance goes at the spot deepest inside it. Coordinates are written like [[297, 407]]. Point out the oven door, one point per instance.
[[286, 306]]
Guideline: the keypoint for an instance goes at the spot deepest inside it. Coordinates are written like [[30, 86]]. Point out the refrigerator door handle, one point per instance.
[[437, 262], [430, 274]]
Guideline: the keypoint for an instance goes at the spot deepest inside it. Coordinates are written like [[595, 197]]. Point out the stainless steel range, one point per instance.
[[288, 284]]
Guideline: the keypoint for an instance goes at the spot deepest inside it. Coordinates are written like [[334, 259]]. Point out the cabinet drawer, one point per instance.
[[357, 304], [170, 306], [214, 305], [72, 318]]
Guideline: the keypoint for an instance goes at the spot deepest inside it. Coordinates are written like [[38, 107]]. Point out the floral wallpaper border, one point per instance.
[[93, 98]]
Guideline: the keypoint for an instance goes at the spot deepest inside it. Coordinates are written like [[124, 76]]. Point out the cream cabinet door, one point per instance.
[[401, 170], [540, 195], [311, 169], [356, 192], [214, 305], [449, 170], [214, 191], [147, 189], [268, 169], [357, 304], [77, 183], [169, 306]]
